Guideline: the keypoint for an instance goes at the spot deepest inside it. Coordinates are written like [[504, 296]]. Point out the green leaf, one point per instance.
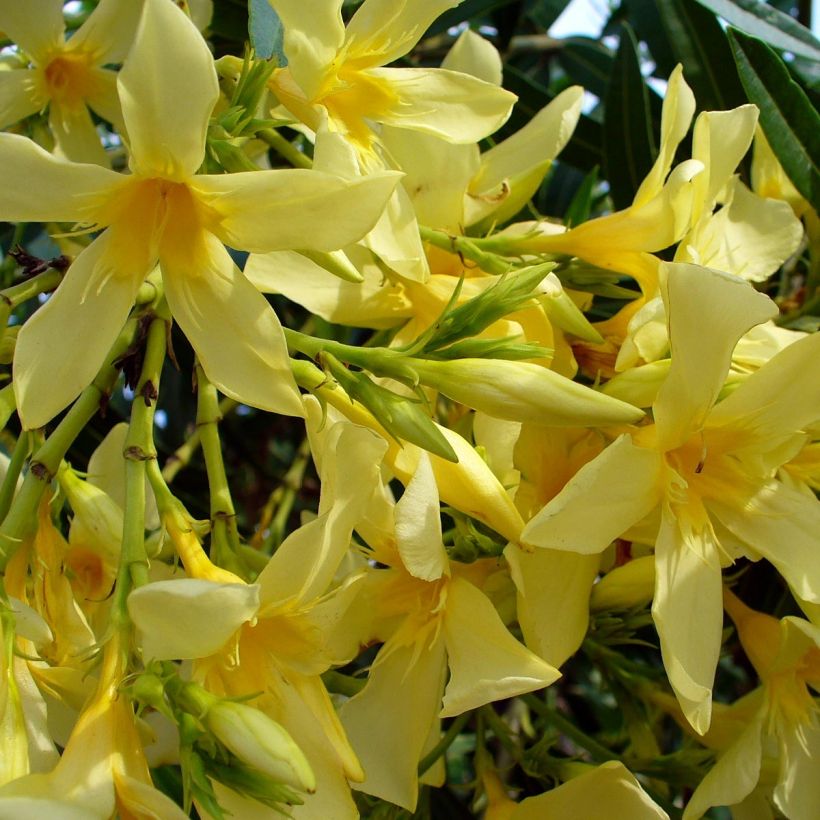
[[545, 12], [768, 24], [628, 147], [588, 62], [468, 10], [787, 117], [581, 206], [697, 40], [266, 31]]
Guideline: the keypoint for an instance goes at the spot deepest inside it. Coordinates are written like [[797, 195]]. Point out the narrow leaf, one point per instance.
[[789, 120]]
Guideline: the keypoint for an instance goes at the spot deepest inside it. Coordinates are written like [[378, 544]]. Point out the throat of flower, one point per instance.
[[68, 79]]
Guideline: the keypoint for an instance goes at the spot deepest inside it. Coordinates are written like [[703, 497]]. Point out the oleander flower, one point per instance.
[[165, 212]]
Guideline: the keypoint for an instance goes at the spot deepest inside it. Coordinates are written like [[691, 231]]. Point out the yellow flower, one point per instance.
[[164, 211], [67, 76], [784, 721], [702, 476], [431, 617]]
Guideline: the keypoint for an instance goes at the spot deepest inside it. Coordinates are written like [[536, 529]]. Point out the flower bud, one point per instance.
[[627, 586], [260, 742]]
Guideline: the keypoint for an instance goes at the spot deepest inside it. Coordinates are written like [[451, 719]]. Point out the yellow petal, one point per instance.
[[604, 498], [372, 303], [75, 135], [39, 187], [750, 236], [798, 791], [486, 662], [230, 325], [312, 39], [281, 210], [389, 721], [188, 603], [108, 32], [688, 614], [678, 108], [36, 26], [708, 311], [383, 30], [446, 104], [735, 774], [553, 587], [781, 524], [104, 99], [16, 99], [86, 313], [418, 526], [168, 87], [472, 54], [609, 792]]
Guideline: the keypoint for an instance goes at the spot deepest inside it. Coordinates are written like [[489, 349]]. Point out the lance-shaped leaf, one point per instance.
[[789, 120]]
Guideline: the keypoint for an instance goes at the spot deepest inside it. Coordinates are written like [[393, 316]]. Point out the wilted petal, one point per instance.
[[603, 499], [452, 106], [782, 525], [36, 25], [39, 187], [389, 721], [16, 98], [486, 662], [708, 311], [609, 792], [295, 208], [168, 88], [688, 614], [230, 325], [86, 313], [169, 616]]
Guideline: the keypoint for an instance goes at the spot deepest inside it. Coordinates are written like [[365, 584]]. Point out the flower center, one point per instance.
[[69, 80]]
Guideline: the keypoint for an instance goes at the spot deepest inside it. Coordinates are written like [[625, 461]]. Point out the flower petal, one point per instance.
[[688, 614], [553, 587], [75, 136], [418, 525], [797, 793], [383, 30], [782, 525], [446, 104], [389, 721], [108, 31], [188, 603], [603, 499], [36, 25], [231, 326], [86, 313], [735, 774], [282, 209], [472, 54], [707, 311], [16, 98], [486, 662], [39, 187], [104, 99], [168, 88], [311, 40], [609, 792]]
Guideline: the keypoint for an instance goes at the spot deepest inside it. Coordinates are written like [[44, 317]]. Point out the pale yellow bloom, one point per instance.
[[67, 77], [164, 211], [703, 476]]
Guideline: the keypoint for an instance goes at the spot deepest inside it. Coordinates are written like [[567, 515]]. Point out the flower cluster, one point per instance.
[[547, 458]]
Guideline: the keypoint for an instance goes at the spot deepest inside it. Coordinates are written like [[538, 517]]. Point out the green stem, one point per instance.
[[45, 462], [139, 448], [500, 730], [18, 458], [566, 727], [224, 533], [444, 744], [283, 498], [22, 292], [474, 249], [285, 149]]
